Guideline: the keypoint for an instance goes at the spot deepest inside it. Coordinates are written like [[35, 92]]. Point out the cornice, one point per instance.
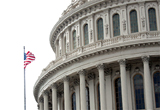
[[54, 67], [87, 9]]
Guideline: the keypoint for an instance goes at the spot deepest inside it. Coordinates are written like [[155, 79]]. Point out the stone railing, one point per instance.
[[105, 43]]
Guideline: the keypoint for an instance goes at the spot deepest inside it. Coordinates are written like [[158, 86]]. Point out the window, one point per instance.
[[133, 21], [100, 29], [99, 101], [74, 39], [139, 91], [152, 19], [87, 98], [86, 39], [74, 101], [116, 25], [156, 78], [118, 94]]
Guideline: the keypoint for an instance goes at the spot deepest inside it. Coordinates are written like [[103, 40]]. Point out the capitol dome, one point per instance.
[[107, 57]]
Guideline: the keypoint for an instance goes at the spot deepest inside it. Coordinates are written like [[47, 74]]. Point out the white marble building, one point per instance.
[[107, 57]]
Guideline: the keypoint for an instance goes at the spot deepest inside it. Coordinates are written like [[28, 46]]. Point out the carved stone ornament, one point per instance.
[[108, 71], [137, 69], [145, 58], [67, 46], [100, 66], [41, 100], [143, 21], [81, 72], [66, 78], [91, 34], [106, 28], [122, 62], [157, 67], [124, 24], [54, 86], [91, 76], [117, 72], [76, 82], [78, 41], [60, 52], [45, 92], [128, 67]]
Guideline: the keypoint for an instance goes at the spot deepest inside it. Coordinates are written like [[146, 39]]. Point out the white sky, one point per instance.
[[25, 23]]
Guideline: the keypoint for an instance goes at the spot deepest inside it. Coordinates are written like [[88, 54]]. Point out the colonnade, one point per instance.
[[105, 104]]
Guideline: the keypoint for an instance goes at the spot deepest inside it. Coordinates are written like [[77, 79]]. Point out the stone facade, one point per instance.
[[98, 64]]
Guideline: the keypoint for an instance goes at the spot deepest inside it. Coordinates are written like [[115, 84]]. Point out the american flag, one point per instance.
[[28, 58]]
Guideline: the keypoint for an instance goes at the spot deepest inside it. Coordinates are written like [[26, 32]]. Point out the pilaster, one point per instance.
[[143, 25], [107, 25], [123, 21]]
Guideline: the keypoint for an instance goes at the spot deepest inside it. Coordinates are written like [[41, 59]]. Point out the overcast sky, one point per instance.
[[25, 23]]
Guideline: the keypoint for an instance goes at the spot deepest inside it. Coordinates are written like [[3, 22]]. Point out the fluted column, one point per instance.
[[67, 99], [147, 84], [91, 77], [82, 90], [54, 96], [109, 96], [45, 96], [122, 63], [101, 82], [41, 103], [76, 83]]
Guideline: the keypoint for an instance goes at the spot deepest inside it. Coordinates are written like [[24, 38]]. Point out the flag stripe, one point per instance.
[[29, 58]]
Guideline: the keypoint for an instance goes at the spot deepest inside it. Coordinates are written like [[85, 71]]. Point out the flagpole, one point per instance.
[[24, 87]]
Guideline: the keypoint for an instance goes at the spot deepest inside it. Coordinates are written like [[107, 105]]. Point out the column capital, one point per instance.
[[122, 61], [100, 66], [91, 76], [145, 58], [54, 85], [108, 71], [76, 82], [66, 78], [45, 93], [41, 100], [82, 72]]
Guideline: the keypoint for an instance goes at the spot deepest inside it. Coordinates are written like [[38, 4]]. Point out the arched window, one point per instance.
[[156, 79], [74, 39], [86, 39], [118, 94], [100, 29], [116, 25], [74, 101], [139, 91], [87, 98], [133, 21], [99, 101], [152, 19]]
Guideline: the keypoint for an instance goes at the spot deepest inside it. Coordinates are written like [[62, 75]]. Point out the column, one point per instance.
[[41, 103], [67, 99], [54, 96], [109, 89], [101, 83], [76, 83], [82, 90], [45, 96], [91, 77], [128, 70], [124, 88], [147, 84], [59, 103]]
